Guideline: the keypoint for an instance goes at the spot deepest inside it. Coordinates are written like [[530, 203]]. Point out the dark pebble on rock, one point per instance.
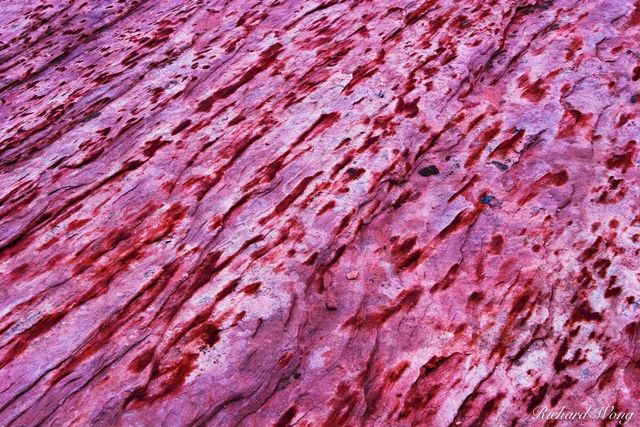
[[488, 200], [429, 171]]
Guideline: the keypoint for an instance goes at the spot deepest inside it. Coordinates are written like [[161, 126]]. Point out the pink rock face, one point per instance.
[[338, 213]]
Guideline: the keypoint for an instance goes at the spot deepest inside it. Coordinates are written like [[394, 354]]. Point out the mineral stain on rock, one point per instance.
[[234, 213], [500, 165]]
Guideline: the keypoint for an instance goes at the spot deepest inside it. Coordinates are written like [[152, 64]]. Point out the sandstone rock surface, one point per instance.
[[187, 186]]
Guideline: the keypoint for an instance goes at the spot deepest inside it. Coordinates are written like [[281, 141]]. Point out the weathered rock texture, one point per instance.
[[379, 213]]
